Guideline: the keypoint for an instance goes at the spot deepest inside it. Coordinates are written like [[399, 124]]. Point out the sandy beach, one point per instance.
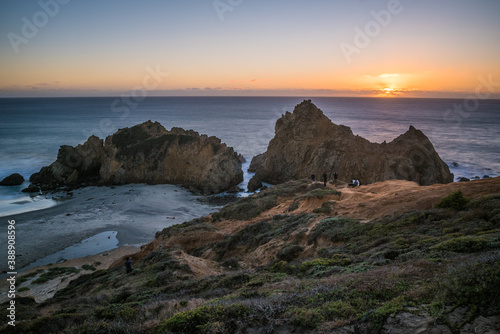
[[130, 215]]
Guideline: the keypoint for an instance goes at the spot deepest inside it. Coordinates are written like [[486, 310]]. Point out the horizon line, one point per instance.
[[495, 97]]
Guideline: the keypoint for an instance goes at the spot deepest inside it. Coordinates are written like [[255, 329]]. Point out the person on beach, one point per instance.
[[335, 177], [313, 177], [325, 177], [128, 265]]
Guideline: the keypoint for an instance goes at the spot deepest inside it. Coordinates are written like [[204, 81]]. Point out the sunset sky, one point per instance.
[[419, 48]]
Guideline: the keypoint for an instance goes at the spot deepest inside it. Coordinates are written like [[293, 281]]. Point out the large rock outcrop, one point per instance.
[[145, 153], [307, 142]]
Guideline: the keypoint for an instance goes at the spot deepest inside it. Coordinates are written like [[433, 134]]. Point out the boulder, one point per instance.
[[306, 142], [254, 184], [31, 189], [12, 180], [145, 153]]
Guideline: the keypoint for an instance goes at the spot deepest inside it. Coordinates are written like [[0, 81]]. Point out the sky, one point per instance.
[[383, 48]]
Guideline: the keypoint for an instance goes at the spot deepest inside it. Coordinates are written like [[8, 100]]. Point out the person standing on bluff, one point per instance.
[[335, 177], [313, 177], [325, 178], [128, 265]]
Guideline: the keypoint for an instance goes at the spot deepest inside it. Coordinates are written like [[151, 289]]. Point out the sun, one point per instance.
[[386, 92]]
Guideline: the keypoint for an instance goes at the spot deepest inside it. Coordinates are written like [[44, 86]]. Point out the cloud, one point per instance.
[[253, 80]]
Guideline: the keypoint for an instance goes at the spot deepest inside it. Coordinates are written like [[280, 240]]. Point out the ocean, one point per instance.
[[33, 129]]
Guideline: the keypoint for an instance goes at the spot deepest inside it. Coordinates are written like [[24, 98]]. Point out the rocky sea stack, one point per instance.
[[145, 153], [306, 142], [12, 180]]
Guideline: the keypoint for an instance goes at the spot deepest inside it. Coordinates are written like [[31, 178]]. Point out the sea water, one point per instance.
[[33, 129]]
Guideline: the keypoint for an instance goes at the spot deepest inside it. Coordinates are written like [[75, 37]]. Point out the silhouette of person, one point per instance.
[[335, 177], [313, 177], [325, 177], [128, 265]]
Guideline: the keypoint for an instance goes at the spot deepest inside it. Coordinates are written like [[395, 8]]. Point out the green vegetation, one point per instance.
[[248, 207], [316, 274], [455, 201], [205, 319], [55, 272], [88, 267], [128, 137], [135, 140], [260, 233], [320, 193]]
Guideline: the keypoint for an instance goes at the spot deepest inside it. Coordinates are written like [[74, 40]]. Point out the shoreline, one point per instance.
[[44, 291], [135, 212]]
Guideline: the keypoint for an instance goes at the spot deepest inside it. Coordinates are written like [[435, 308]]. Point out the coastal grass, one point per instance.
[[327, 272], [53, 273]]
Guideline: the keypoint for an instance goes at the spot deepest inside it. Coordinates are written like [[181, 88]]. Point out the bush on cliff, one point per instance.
[[455, 201], [205, 319]]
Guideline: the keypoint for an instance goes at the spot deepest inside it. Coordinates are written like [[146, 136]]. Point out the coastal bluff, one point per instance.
[[145, 153], [306, 142]]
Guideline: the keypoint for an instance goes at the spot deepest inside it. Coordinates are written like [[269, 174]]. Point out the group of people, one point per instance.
[[354, 182], [325, 178]]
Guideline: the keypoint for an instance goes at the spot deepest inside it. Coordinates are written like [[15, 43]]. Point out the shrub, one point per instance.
[[231, 263], [467, 244], [88, 267], [201, 318], [335, 229], [336, 260], [326, 208], [476, 286], [289, 253], [307, 318], [117, 311], [455, 201], [320, 193], [248, 207], [338, 309]]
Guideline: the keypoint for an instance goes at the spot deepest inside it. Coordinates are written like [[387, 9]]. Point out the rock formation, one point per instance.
[[254, 184], [12, 180], [145, 153], [306, 141]]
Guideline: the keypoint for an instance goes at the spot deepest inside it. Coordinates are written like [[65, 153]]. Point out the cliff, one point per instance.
[[145, 153], [297, 257], [307, 142]]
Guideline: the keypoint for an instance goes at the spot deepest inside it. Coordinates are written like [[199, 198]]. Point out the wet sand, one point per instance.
[[135, 212]]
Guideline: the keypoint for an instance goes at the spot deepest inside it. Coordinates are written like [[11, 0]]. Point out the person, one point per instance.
[[313, 177], [325, 177], [356, 183], [335, 177], [128, 265]]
